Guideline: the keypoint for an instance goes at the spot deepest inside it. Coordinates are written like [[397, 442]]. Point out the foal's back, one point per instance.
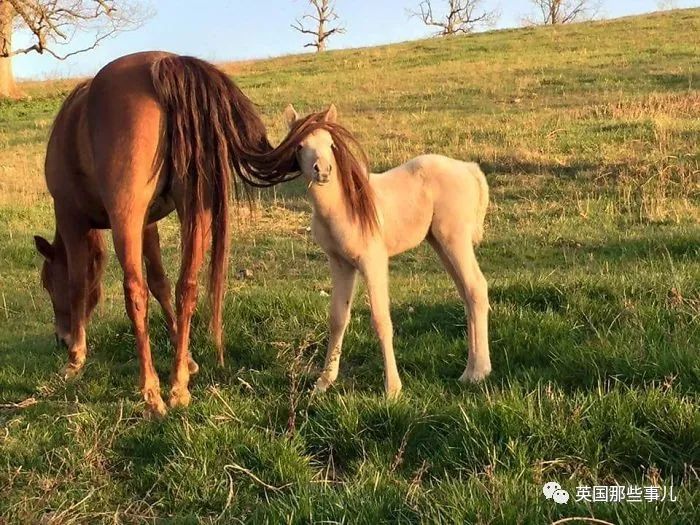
[[425, 190]]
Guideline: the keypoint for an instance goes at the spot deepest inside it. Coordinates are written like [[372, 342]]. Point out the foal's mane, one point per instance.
[[352, 166]]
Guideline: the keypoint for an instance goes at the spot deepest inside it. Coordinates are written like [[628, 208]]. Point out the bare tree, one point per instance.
[[554, 12], [320, 19], [665, 5], [461, 16], [51, 25]]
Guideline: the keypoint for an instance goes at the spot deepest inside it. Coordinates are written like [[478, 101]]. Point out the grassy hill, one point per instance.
[[589, 137]]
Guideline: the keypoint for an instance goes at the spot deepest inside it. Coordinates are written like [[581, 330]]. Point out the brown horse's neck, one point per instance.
[[96, 256], [59, 247]]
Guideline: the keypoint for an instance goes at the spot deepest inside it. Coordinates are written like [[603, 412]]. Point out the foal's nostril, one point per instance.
[[317, 168]]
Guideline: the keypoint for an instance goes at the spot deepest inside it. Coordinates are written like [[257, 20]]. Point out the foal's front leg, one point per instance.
[[376, 274], [343, 277]]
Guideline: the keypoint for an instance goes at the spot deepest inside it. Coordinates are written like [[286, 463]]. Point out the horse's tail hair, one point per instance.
[[209, 121], [478, 233]]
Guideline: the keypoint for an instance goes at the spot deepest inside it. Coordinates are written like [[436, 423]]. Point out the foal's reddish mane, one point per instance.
[[352, 164]]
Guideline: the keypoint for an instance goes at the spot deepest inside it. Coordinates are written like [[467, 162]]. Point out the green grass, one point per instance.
[[589, 138]]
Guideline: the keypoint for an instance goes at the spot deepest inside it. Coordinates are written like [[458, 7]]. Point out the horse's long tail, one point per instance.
[[211, 124], [483, 203]]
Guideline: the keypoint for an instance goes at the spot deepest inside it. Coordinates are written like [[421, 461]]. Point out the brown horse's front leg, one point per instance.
[[128, 244], [159, 284], [77, 253]]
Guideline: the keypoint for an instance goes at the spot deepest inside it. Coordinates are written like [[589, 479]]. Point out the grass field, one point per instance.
[[589, 137]]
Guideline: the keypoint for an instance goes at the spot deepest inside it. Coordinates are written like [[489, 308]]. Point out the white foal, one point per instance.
[[430, 197]]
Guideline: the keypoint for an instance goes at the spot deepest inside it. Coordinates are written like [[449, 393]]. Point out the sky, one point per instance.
[[223, 30]]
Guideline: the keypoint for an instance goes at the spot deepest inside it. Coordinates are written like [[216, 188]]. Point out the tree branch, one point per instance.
[[54, 23], [461, 16], [323, 13]]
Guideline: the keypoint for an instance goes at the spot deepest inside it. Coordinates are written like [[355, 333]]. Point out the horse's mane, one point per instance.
[[352, 165]]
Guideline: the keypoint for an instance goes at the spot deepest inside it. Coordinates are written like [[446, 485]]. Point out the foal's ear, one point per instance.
[[331, 114], [44, 247], [290, 115]]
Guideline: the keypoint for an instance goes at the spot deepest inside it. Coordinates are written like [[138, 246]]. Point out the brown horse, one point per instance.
[[151, 133]]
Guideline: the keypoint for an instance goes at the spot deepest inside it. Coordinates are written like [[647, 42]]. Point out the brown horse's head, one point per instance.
[[54, 279]]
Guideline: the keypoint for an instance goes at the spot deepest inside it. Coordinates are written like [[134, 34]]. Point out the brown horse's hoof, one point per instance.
[[155, 407], [179, 397], [155, 412], [71, 371], [192, 366]]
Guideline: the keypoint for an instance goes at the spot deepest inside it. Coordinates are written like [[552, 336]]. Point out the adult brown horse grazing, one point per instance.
[[151, 133]]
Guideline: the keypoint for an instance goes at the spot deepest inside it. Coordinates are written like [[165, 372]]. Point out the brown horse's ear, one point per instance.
[[290, 115], [44, 247], [331, 114]]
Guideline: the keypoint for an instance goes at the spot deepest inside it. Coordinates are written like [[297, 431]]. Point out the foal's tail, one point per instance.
[[478, 233], [210, 123]]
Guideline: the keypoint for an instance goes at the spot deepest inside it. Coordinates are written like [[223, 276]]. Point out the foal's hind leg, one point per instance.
[[457, 255], [159, 284], [343, 277], [186, 301]]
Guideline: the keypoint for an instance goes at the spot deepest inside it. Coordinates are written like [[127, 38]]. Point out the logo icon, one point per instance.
[[552, 490]]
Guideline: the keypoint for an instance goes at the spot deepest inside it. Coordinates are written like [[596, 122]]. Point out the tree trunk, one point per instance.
[[8, 88], [321, 36]]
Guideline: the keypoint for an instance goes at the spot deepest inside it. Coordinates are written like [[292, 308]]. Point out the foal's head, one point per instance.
[[315, 150], [54, 279], [328, 154]]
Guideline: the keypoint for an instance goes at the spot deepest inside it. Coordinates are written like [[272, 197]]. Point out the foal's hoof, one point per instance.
[[393, 392], [322, 384], [474, 375], [192, 366], [179, 397]]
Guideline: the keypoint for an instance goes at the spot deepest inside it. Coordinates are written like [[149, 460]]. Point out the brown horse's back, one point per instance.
[[108, 131], [68, 165]]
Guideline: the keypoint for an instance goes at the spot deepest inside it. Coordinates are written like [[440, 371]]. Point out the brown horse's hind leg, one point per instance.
[[159, 284], [128, 244], [186, 301]]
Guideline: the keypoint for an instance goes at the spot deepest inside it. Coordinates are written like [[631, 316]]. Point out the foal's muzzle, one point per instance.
[[322, 176]]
